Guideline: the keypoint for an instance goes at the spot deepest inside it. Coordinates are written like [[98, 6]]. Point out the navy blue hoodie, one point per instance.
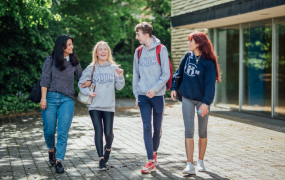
[[199, 79]]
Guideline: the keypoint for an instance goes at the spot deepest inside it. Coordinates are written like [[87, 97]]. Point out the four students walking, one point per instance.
[[151, 72]]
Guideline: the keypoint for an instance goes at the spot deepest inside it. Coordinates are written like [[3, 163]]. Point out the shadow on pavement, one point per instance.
[[251, 119]]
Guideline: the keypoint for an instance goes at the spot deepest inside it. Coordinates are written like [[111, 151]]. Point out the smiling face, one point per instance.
[[192, 46], [69, 47], [102, 52], [141, 37]]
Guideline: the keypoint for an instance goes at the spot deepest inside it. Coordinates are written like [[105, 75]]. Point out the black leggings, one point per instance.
[[108, 120]]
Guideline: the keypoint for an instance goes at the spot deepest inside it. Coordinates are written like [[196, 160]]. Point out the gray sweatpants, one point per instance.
[[188, 109]]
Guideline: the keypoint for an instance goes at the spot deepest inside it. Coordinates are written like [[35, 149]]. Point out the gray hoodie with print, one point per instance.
[[106, 80], [147, 73]]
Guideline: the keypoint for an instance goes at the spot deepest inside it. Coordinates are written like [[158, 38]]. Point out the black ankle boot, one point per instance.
[[52, 157], [102, 165], [59, 167], [106, 154]]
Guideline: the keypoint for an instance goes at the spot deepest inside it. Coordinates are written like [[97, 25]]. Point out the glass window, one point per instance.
[[280, 67], [211, 35], [257, 55], [227, 91]]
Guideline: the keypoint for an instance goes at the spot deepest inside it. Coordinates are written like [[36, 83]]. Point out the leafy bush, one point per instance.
[[126, 62], [29, 29], [18, 102]]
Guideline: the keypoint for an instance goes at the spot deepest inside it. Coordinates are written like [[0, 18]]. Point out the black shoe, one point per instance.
[[106, 154], [102, 165], [52, 157], [59, 167]]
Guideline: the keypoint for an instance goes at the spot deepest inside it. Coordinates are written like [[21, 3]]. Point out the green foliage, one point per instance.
[[160, 11], [29, 29], [91, 21], [27, 13], [12, 103], [25, 44], [126, 62]]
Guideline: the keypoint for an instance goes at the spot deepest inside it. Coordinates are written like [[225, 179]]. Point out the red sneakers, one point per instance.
[[154, 158], [149, 167]]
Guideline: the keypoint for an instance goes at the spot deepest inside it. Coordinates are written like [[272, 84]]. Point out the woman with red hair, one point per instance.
[[199, 71]]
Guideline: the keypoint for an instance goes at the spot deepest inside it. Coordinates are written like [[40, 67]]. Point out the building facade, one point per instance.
[[249, 39]]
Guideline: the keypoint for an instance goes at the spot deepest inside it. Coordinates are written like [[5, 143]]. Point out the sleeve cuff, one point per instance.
[[156, 90], [205, 103], [121, 78]]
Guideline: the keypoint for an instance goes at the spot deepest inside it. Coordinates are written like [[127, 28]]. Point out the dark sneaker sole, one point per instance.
[[52, 164], [59, 171]]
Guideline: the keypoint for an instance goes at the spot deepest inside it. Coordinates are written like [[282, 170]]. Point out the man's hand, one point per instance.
[[92, 94], [173, 94], [137, 103], [120, 72], [86, 84], [150, 93], [204, 110]]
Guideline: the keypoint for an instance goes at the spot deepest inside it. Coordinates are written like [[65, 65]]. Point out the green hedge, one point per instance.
[[126, 62]]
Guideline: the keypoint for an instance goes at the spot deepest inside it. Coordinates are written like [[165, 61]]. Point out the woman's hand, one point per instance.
[[86, 84], [173, 93], [137, 102], [120, 72], [92, 94], [204, 110], [43, 104]]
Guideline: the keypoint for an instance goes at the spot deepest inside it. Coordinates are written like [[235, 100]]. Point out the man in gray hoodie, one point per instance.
[[149, 86]]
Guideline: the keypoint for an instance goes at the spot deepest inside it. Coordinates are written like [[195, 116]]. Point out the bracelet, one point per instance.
[[43, 100], [205, 104]]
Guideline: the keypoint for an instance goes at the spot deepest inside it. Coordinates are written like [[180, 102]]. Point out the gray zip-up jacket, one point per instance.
[[147, 73], [106, 80]]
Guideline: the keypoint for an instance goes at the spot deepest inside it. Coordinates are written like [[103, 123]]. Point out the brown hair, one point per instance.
[[145, 27], [207, 50]]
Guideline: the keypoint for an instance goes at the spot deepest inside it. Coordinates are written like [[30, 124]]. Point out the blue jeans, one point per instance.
[[146, 106], [59, 111]]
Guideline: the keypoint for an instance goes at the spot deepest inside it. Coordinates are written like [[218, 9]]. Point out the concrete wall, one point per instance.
[[179, 35], [184, 6]]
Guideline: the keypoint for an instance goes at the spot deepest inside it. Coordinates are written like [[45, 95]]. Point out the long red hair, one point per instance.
[[206, 49]]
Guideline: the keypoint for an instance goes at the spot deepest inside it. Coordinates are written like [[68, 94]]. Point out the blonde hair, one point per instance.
[[110, 57]]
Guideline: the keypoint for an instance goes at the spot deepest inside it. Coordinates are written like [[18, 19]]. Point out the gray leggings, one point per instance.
[[188, 109]]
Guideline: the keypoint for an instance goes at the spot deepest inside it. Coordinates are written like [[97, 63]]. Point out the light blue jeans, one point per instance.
[[59, 112]]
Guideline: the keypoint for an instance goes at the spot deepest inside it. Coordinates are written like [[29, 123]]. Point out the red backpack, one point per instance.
[[158, 49]]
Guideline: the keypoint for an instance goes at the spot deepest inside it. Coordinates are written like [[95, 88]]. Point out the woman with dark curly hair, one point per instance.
[[57, 101], [199, 70]]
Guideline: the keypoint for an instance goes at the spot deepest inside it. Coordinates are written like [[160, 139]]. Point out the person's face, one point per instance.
[[69, 47], [102, 52], [141, 37], [192, 45]]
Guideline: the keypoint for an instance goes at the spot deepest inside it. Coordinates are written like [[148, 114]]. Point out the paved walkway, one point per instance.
[[240, 146]]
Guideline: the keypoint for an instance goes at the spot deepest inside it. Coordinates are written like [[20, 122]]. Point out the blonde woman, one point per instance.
[[107, 76]]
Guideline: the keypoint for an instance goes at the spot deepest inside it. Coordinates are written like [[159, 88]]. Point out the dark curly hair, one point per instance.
[[58, 53]]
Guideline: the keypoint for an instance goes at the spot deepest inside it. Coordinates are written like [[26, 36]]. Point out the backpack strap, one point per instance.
[[92, 72], [158, 49], [140, 48]]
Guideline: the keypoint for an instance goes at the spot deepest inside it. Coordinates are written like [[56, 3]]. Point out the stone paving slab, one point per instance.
[[240, 146]]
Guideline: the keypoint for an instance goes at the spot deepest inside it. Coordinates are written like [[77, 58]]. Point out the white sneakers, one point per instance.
[[200, 166], [190, 169]]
